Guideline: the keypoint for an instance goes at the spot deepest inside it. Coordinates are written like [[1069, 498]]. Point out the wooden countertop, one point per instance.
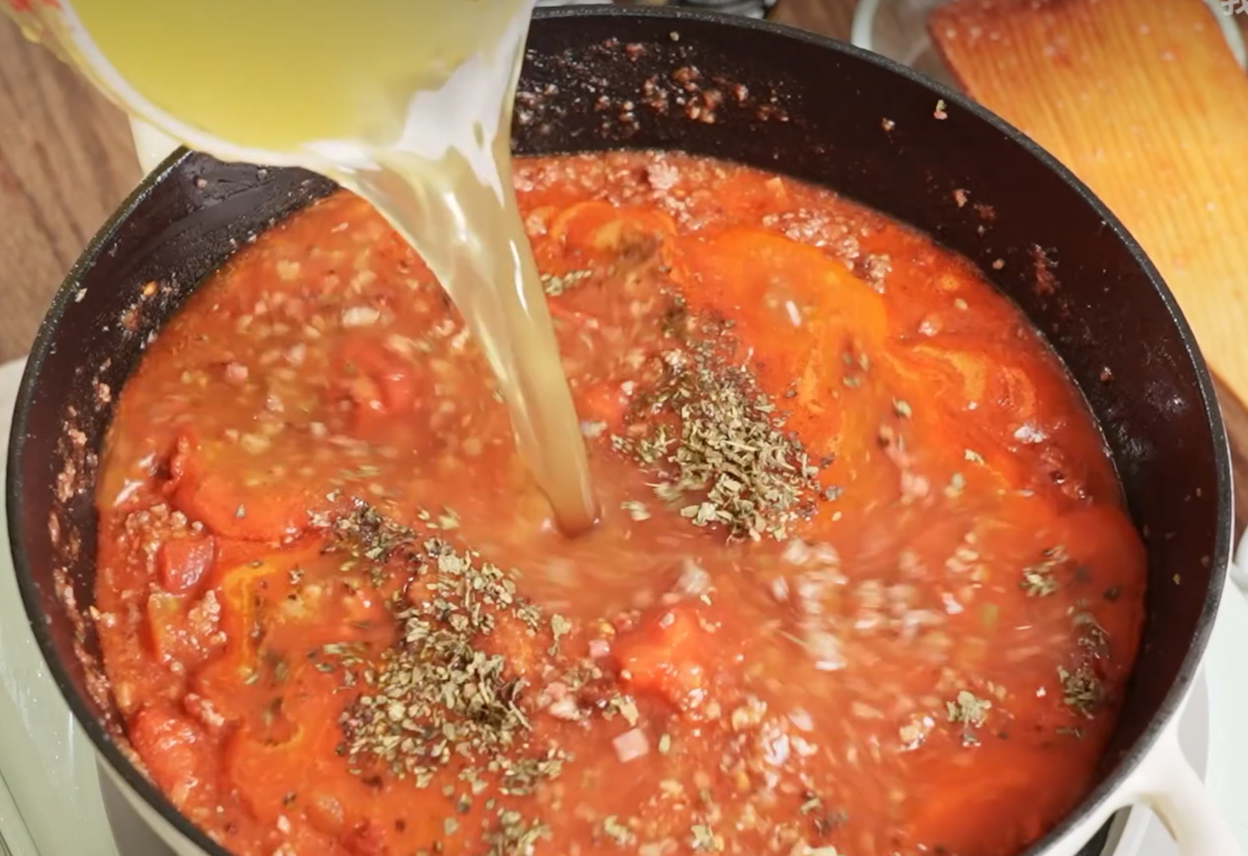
[[67, 160]]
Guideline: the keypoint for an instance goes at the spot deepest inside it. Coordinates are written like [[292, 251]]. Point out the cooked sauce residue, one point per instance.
[[863, 583]]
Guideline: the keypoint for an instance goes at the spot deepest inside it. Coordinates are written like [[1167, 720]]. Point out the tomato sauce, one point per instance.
[[863, 582]]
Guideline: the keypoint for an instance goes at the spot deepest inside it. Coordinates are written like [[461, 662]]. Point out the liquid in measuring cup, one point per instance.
[[408, 104]]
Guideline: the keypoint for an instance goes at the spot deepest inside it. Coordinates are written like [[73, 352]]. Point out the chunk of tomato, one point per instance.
[[788, 300], [183, 562], [175, 751], [598, 229], [210, 487], [376, 379], [668, 654], [183, 632]]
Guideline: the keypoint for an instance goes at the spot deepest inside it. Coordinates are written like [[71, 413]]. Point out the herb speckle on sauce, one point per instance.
[[1092, 636], [617, 831], [1082, 690], [1039, 580], [968, 708], [514, 836], [559, 627], [705, 839], [971, 711], [557, 285]]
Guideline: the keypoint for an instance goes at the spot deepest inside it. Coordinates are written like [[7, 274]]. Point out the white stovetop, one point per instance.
[[50, 801]]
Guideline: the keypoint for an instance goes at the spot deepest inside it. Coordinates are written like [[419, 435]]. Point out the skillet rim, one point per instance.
[[1128, 761]]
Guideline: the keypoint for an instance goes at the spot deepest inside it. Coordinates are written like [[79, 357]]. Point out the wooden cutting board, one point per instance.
[[1144, 101]]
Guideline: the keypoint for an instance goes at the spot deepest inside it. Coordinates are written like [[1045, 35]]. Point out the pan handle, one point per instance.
[[1170, 787], [1166, 782]]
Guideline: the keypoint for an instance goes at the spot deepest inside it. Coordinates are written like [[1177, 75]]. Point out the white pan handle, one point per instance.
[[1171, 788]]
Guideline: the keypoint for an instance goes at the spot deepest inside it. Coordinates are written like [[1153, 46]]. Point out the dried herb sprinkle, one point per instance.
[[440, 697], [730, 465]]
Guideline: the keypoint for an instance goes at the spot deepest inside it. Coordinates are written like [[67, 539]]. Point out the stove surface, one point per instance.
[[54, 802]]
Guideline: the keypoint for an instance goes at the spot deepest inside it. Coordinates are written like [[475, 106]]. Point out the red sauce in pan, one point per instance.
[[863, 582]]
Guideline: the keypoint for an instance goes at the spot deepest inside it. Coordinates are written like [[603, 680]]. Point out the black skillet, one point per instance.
[[603, 78]]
